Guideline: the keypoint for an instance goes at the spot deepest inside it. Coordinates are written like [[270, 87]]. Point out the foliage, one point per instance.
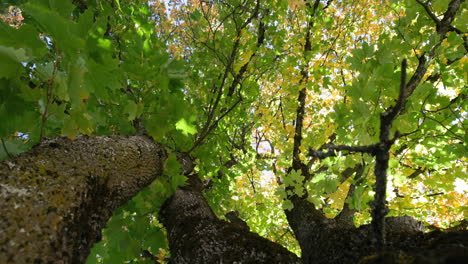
[[221, 80]]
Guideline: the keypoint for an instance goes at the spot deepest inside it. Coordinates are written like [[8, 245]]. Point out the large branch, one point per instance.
[[305, 220], [57, 197], [379, 209], [444, 26], [382, 157], [196, 235], [332, 150], [300, 111], [345, 218]]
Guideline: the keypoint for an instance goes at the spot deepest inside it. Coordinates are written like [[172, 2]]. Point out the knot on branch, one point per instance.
[[186, 161], [234, 218]]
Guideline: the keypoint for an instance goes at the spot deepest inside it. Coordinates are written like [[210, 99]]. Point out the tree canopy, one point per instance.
[[334, 102]]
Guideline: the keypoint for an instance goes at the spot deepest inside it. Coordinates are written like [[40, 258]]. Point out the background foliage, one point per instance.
[[220, 79]]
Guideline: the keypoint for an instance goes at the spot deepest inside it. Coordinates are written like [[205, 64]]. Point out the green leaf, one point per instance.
[[185, 127], [14, 147], [56, 23], [76, 85], [172, 166], [177, 180], [63, 7], [195, 15], [295, 179], [287, 205], [10, 61], [131, 109], [439, 5], [70, 128], [155, 240], [26, 37], [281, 192], [85, 22]]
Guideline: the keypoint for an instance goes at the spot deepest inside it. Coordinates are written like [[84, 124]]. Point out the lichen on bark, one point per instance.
[[56, 198]]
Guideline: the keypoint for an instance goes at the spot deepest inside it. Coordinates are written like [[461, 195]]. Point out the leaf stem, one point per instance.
[[5, 148], [49, 95]]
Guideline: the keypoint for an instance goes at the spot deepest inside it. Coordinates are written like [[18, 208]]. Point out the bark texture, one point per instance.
[[324, 240], [56, 198], [196, 235]]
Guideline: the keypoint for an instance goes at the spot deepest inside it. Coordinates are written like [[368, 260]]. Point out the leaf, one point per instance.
[[26, 37], [76, 85], [177, 180], [63, 7], [330, 185], [195, 15], [157, 126], [131, 109], [172, 166], [55, 22], [287, 205], [155, 240], [10, 61], [70, 129], [185, 127], [439, 5], [14, 147], [295, 179], [281, 192], [85, 23]]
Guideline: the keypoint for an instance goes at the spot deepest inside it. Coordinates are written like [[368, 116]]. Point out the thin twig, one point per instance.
[[49, 95], [6, 150]]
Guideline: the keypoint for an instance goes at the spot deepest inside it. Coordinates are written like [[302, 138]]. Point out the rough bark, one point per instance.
[[324, 240], [196, 235], [56, 198]]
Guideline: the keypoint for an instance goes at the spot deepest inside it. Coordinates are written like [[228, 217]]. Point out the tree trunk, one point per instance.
[[56, 198], [329, 241], [196, 235]]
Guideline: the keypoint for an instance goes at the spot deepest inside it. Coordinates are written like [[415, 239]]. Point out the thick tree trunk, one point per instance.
[[331, 241], [196, 235], [56, 198]]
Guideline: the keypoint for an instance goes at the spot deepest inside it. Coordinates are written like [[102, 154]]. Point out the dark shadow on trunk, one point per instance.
[[196, 235], [325, 240]]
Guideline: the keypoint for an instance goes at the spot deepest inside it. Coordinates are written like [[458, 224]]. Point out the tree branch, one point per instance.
[[449, 16], [331, 150], [62, 192], [193, 228], [444, 26], [299, 122], [210, 125], [260, 38], [429, 12], [346, 216], [378, 206]]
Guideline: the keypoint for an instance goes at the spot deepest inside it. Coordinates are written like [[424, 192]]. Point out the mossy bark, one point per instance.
[[56, 198]]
